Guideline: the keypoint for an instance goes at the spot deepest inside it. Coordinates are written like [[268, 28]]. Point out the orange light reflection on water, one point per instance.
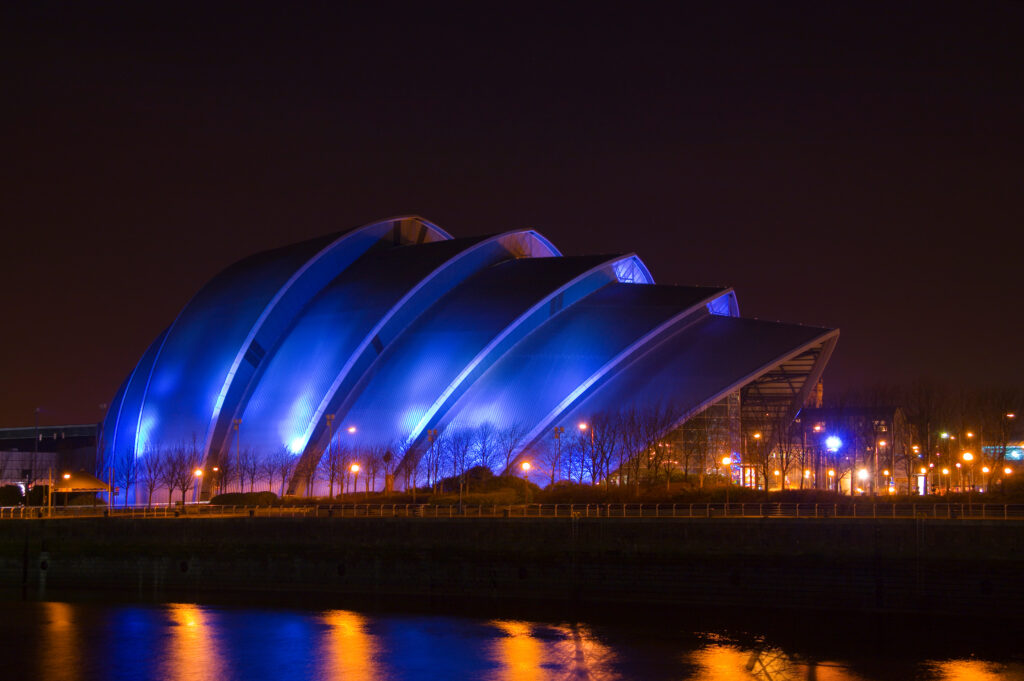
[[975, 670], [192, 651], [59, 657], [350, 653], [528, 652], [719, 662]]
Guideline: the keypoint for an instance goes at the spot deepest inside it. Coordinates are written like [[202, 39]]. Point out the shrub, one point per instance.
[[245, 499], [10, 495]]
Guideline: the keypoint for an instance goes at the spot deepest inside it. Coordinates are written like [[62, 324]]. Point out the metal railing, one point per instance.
[[610, 511]]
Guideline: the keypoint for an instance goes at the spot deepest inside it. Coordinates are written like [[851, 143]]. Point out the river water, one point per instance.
[[86, 640]]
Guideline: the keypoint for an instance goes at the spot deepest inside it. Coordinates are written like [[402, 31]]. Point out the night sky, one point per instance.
[[857, 167]]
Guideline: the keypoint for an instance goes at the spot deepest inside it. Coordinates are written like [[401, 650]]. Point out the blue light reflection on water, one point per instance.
[[186, 642]]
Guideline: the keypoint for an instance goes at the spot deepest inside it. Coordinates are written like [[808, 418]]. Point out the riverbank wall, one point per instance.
[[924, 566]]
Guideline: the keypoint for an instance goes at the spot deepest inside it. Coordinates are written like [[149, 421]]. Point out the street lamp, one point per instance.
[[558, 453], [197, 474], [862, 475], [354, 468], [525, 467]]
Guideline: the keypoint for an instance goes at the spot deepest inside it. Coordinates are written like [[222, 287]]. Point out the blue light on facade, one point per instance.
[[400, 328]]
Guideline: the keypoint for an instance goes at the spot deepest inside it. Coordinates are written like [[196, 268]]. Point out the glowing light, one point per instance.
[[924, 471], [831, 473], [862, 474], [968, 456], [726, 461], [970, 434], [882, 443], [817, 428], [892, 490], [351, 429], [525, 466], [833, 443], [807, 474], [297, 444], [67, 476], [958, 464], [354, 468], [757, 436], [1011, 415], [984, 469], [945, 471], [582, 426], [198, 472], [1008, 471], [778, 472], [885, 472], [216, 469], [944, 436]]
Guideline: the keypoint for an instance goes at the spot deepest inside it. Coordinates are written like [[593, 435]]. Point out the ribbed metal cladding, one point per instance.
[[395, 328]]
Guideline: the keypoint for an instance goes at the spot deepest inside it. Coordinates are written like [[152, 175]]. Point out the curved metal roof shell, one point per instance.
[[395, 328]]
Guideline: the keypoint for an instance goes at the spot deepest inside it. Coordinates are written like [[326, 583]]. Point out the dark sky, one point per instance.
[[859, 167]]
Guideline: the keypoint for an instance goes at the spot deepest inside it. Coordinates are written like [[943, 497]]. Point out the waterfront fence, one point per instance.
[[610, 511]]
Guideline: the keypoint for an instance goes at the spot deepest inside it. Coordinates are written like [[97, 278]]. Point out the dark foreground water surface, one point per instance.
[[85, 640]]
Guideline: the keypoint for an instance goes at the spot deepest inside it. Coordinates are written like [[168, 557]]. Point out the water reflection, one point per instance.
[[526, 652], [60, 642], [975, 670], [350, 653], [192, 652], [186, 642]]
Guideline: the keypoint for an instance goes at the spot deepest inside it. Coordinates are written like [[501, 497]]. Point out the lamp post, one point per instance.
[[558, 452], [237, 423], [354, 468], [862, 475], [198, 475], [525, 467], [727, 462]]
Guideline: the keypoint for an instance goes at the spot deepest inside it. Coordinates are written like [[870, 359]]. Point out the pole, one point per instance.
[[238, 452]]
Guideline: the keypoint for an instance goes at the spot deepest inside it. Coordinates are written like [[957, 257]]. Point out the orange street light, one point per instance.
[[351, 429], [985, 469], [968, 456], [726, 460], [354, 468], [198, 472], [757, 436], [582, 426], [67, 476], [1008, 471]]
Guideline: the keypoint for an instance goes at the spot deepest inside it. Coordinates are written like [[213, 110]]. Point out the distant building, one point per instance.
[[872, 446], [30, 453]]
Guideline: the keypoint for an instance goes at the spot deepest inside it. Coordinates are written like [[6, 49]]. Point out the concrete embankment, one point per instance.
[[913, 566]]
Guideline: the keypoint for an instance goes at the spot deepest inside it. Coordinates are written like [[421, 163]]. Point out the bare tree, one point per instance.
[[282, 464], [333, 465], [151, 467], [486, 445], [126, 471], [249, 467], [509, 441], [458, 445]]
